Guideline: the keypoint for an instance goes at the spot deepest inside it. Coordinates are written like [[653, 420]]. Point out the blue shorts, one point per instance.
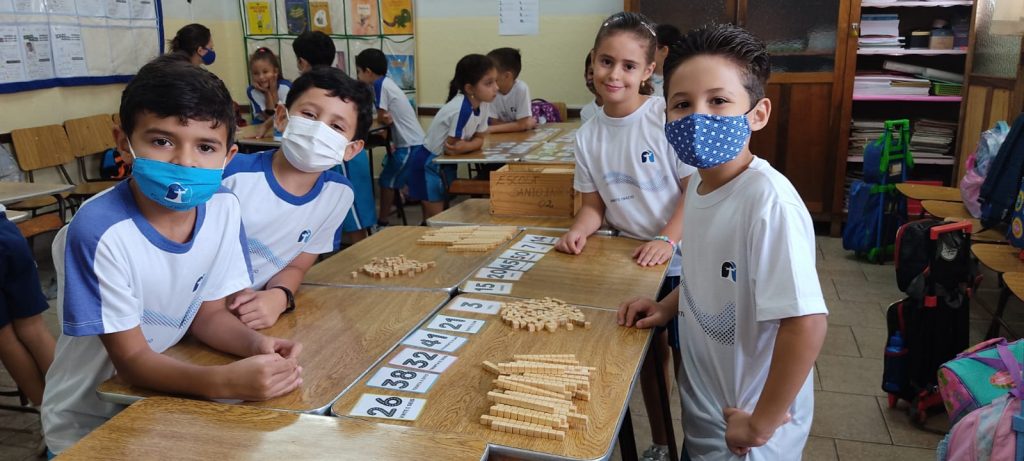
[[425, 181], [21, 295], [364, 208], [394, 171]]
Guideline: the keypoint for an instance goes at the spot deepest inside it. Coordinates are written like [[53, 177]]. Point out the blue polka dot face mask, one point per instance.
[[706, 141]]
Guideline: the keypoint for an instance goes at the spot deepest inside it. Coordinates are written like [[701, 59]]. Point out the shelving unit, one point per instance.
[[905, 98], [912, 4], [907, 52]]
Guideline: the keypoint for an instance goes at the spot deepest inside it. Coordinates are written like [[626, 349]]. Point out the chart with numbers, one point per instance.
[[456, 324], [541, 239], [520, 255], [402, 380], [498, 288], [388, 407], [534, 247], [480, 306], [423, 360], [491, 273], [436, 341], [510, 264]]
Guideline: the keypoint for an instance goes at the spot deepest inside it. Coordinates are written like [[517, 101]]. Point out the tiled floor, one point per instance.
[[852, 419]]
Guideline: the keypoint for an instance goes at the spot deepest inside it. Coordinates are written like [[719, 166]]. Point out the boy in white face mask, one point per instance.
[[293, 205]]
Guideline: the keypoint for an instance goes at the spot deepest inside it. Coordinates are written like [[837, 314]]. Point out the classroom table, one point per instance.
[[165, 427], [451, 268], [11, 192], [458, 398], [944, 209], [603, 275], [1001, 259], [477, 212], [929, 192], [343, 332], [16, 216], [537, 137]]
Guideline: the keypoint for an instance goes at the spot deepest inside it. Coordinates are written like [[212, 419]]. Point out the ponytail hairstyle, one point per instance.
[[190, 38], [641, 28], [266, 54], [469, 71]]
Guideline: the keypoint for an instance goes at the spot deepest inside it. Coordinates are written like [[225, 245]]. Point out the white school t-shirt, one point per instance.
[[388, 96], [258, 99], [588, 111], [750, 265], [456, 119], [279, 226], [514, 105], [120, 273]]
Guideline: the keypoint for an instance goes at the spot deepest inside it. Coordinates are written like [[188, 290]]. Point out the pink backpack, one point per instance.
[[995, 431], [970, 187]]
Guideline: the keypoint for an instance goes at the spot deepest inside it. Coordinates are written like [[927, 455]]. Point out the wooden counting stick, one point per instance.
[[491, 367], [523, 402], [525, 388]]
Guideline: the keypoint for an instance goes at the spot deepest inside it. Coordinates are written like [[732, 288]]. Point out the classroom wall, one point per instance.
[[446, 30]]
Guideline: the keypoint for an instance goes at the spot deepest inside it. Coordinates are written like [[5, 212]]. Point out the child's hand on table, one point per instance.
[[258, 309], [572, 242], [653, 253], [643, 313]]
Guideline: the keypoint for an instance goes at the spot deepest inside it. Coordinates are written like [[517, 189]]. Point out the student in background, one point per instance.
[[458, 128], [593, 107], [394, 110], [152, 259], [752, 330], [511, 110], [313, 49], [629, 175], [195, 43], [26, 345], [268, 88], [667, 35], [292, 203]]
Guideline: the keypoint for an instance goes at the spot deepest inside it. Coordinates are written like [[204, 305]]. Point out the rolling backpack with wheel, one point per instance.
[[999, 191]]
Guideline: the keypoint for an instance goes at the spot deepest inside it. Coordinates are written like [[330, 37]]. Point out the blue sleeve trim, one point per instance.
[[465, 112], [246, 163], [378, 88]]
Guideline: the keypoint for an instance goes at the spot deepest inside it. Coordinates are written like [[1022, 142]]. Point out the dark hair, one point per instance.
[[338, 85], [667, 34], [169, 87], [315, 47], [190, 38], [266, 54], [372, 59], [470, 70], [507, 59], [636, 24], [586, 65], [734, 43]]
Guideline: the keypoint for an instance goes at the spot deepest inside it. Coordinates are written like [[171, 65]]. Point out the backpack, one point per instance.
[[973, 379], [999, 191], [994, 431], [545, 112], [112, 166], [970, 187], [875, 211], [1015, 232]]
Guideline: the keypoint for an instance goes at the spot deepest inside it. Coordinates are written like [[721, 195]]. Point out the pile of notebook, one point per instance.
[[943, 83], [880, 31], [932, 138], [889, 84]]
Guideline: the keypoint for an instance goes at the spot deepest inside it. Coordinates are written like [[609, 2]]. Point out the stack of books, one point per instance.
[[880, 31], [863, 132], [889, 85], [932, 138]]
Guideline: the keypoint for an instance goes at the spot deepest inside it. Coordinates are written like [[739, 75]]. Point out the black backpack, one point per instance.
[[999, 191]]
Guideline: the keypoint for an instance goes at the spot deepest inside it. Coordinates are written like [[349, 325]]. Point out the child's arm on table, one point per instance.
[[456, 146], [797, 344], [588, 221], [523, 124], [656, 252], [646, 313], [261, 309]]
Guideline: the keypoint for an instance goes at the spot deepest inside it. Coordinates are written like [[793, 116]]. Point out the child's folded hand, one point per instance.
[[258, 309], [653, 253], [263, 377], [572, 242], [740, 433]]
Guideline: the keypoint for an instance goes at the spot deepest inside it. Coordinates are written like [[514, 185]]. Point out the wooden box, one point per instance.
[[530, 189]]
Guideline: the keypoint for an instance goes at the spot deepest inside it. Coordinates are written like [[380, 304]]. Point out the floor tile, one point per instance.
[[17, 453], [849, 450], [828, 290], [853, 313], [879, 273], [867, 291], [904, 433], [852, 375], [839, 341], [820, 449], [871, 341], [848, 417]]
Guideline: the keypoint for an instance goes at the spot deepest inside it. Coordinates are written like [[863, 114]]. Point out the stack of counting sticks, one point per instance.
[[468, 238], [533, 395], [542, 314], [394, 266]]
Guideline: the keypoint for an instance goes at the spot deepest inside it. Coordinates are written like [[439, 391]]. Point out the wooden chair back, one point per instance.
[[90, 135], [562, 110], [41, 147]]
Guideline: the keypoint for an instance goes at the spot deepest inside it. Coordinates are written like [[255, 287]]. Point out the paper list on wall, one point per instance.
[[11, 67], [143, 9], [6, 6], [36, 51], [518, 17], [68, 51], [60, 6], [118, 9], [29, 6]]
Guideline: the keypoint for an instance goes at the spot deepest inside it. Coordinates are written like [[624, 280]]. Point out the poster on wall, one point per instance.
[[401, 62], [60, 7], [119, 9], [518, 17], [11, 67], [92, 8], [35, 39], [258, 17], [396, 16], [297, 16], [320, 17], [6, 6], [68, 51], [29, 6], [363, 17], [143, 9]]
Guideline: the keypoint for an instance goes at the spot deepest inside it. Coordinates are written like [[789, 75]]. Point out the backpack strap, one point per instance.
[[1017, 422]]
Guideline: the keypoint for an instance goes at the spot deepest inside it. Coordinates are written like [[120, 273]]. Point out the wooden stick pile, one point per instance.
[[542, 314], [394, 266], [468, 238]]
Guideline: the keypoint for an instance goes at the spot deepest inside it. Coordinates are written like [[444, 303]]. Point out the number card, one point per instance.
[[520, 255], [423, 360], [476, 286], [499, 274], [388, 407], [436, 341], [479, 306], [402, 380], [534, 247], [541, 239], [456, 324], [510, 264]]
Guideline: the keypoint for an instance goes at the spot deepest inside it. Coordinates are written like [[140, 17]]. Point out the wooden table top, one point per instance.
[[477, 212], [946, 209], [929, 192], [980, 234], [459, 396], [451, 269], [999, 258], [16, 216], [602, 276], [11, 192], [343, 332], [539, 135], [1015, 282], [164, 427]]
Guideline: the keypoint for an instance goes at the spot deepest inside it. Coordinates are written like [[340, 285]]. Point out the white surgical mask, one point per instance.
[[311, 145]]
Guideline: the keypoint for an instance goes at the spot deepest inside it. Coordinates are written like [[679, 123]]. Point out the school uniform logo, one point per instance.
[[176, 193], [729, 270], [304, 236], [199, 281], [647, 157]]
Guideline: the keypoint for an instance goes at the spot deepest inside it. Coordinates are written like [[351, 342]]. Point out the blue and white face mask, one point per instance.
[[177, 187], [706, 141]]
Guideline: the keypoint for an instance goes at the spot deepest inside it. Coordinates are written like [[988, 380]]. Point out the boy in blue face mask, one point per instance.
[[750, 308], [293, 203], [152, 259]]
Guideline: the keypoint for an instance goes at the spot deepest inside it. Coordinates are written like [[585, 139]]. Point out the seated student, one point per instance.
[[315, 49], [511, 109], [151, 260], [667, 35], [268, 87], [752, 330], [193, 43], [26, 345], [458, 128], [292, 203], [394, 109], [588, 111]]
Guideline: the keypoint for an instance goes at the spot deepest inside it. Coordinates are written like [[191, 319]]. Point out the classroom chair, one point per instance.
[[90, 136], [37, 149], [563, 111]]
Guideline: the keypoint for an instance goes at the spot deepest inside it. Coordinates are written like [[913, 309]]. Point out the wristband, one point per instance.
[[664, 239], [289, 298]]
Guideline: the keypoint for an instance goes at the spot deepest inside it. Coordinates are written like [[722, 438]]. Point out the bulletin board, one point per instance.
[[353, 25], [48, 43]]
